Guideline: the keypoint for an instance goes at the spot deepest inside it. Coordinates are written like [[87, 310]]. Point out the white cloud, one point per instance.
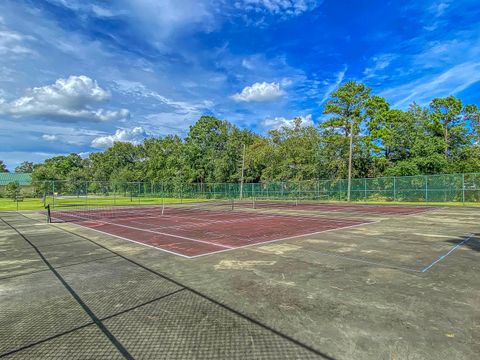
[[70, 98], [260, 92], [134, 135], [13, 43], [71, 136], [449, 82], [134, 88], [102, 12], [286, 8], [332, 87], [171, 17], [438, 8], [379, 62], [279, 122], [50, 138]]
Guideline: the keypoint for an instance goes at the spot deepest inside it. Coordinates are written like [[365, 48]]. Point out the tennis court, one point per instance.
[[263, 279], [201, 228]]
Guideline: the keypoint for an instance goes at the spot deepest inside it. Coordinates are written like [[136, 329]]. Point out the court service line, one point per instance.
[[159, 233], [237, 221], [454, 248], [286, 238], [134, 241]]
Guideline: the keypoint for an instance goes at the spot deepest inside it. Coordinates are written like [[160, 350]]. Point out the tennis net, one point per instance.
[[271, 202], [92, 212]]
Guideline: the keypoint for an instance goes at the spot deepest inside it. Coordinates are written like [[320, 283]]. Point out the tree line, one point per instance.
[[443, 137]]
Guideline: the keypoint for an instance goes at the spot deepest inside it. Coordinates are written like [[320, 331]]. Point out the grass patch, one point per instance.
[[26, 204], [37, 203]]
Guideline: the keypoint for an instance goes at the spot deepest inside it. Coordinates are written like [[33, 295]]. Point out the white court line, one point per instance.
[[136, 242], [428, 267], [161, 233], [286, 238], [245, 219], [227, 248]]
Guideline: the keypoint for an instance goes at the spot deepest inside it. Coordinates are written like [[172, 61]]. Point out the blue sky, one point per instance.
[[77, 75]]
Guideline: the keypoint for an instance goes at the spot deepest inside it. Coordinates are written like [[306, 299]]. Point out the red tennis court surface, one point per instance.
[[362, 208], [196, 233]]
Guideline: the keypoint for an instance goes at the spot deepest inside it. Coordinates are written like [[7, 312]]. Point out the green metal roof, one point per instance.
[[22, 178]]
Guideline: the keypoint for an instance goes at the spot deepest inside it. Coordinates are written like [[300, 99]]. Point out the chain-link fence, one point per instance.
[[450, 188]]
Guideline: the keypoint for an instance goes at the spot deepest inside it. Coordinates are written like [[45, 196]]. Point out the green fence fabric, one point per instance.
[[459, 188]]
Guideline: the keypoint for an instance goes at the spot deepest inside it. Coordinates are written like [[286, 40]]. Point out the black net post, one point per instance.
[[49, 215]]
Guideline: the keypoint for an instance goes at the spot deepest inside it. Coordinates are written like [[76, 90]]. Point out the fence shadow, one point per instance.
[[473, 243]]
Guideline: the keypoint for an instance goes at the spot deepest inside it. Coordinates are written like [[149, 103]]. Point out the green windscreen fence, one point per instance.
[[456, 188]]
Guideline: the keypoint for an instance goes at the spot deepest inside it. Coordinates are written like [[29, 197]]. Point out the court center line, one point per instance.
[[130, 240], [160, 233], [239, 221]]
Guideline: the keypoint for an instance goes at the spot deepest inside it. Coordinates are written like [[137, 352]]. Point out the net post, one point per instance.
[[49, 215]]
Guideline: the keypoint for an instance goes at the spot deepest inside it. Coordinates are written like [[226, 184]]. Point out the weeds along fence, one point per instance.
[[458, 188]]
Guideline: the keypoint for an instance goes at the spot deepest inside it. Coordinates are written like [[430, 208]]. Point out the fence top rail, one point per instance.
[[260, 183]]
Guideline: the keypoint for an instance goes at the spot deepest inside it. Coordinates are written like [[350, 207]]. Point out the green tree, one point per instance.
[[165, 160], [421, 142], [447, 115], [292, 153], [12, 190], [121, 162], [3, 167], [257, 157], [213, 150], [49, 177], [347, 104], [472, 114], [24, 167], [205, 142]]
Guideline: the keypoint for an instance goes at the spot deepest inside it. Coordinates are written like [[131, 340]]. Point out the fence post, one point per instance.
[[426, 188], [463, 189], [394, 189], [365, 189], [44, 193]]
